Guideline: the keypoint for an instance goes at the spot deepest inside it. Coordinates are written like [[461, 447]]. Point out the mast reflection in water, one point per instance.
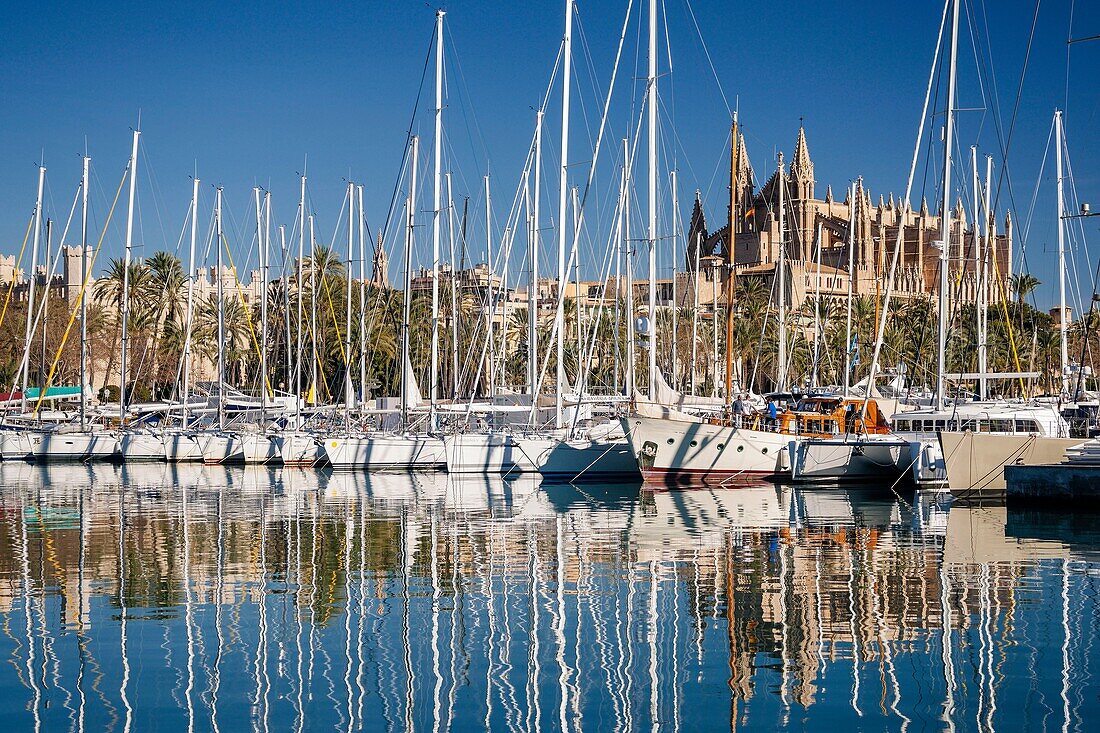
[[188, 598]]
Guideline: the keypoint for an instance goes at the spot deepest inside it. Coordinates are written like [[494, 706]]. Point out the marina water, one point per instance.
[[185, 598]]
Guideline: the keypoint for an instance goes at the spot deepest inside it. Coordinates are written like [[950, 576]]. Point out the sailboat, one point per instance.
[[411, 448], [676, 447]]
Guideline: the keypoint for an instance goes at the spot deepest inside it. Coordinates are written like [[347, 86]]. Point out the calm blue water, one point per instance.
[[179, 599]]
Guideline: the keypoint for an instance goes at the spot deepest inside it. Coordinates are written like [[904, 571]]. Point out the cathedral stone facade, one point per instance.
[[756, 238]]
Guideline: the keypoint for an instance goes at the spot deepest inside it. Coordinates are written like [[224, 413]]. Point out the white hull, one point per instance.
[[683, 451], [975, 461], [385, 452], [578, 458], [259, 448], [859, 458], [219, 447], [76, 447], [180, 447], [141, 447], [299, 449], [489, 453], [18, 445]]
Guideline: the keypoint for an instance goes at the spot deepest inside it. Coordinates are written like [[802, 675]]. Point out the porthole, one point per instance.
[[763, 450], [693, 443], [670, 441], [740, 448], [721, 446]]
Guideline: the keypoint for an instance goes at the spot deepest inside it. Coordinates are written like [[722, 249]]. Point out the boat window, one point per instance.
[[1000, 426], [939, 425], [970, 424], [983, 426], [1027, 426], [902, 425]]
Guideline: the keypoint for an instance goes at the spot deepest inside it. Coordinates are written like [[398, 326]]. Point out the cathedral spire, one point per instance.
[[802, 168]]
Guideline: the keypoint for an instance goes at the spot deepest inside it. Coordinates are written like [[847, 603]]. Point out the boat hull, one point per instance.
[[60, 447], [975, 461], [181, 447], [488, 453], [141, 447], [385, 452], [17, 445], [299, 449], [579, 459], [217, 448], [682, 452], [855, 460]]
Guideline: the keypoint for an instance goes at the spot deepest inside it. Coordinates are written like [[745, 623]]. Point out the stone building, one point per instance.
[[756, 238]]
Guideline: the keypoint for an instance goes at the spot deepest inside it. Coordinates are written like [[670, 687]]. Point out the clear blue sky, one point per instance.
[[243, 93]]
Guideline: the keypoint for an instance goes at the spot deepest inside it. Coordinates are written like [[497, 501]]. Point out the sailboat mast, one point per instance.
[[265, 278], [1059, 141], [628, 265], [945, 214], [563, 194], [190, 299], [436, 205], [491, 304], [263, 302], [731, 257], [313, 308], [675, 368], [300, 290], [33, 276], [651, 104], [851, 277], [983, 282], [126, 279], [781, 275], [533, 255], [362, 295], [83, 294], [456, 286], [221, 307], [406, 286], [348, 386]]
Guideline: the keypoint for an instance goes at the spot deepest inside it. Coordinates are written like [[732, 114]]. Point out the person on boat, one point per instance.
[[773, 416], [738, 411]]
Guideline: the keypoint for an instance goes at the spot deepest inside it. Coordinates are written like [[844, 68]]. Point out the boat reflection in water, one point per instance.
[[185, 597]]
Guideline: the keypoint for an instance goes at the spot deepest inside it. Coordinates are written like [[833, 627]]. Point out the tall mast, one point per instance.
[[781, 275], [731, 245], [406, 287], [313, 309], [533, 255], [190, 299], [83, 294], [221, 307], [300, 290], [651, 103], [1063, 342], [852, 190], [436, 205], [817, 308], [286, 313], [489, 311], [675, 300], [261, 251], [362, 296], [629, 266], [348, 386], [983, 282], [945, 215], [454, 290], [126, 278], [265, 278], [563, 193], [33, 276], [619, 247]]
